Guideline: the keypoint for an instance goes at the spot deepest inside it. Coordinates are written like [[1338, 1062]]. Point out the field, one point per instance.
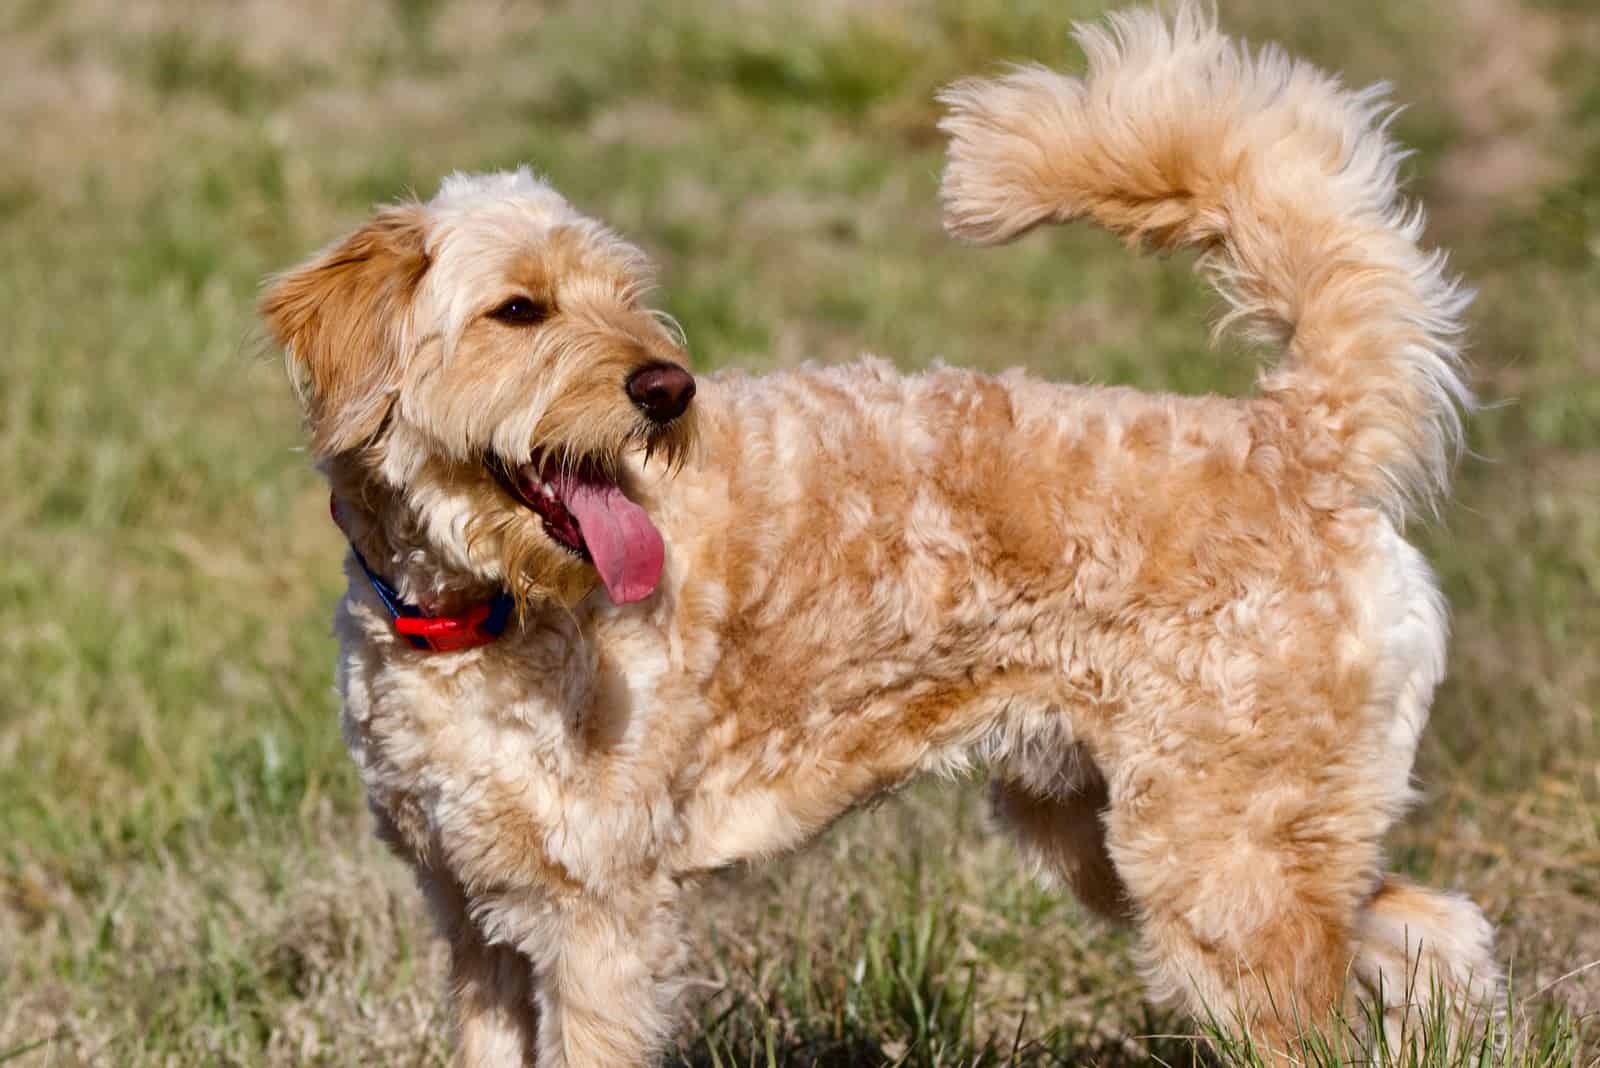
[[186, 874]]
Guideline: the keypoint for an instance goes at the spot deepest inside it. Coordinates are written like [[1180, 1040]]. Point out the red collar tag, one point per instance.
[[446, 634]]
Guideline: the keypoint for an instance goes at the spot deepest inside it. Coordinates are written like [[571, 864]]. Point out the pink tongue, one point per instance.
[[625, 546]]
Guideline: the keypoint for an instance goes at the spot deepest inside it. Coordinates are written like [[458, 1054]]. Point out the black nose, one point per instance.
[[661, 391]]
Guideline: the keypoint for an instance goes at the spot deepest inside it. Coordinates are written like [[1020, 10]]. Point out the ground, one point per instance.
[[185, 870]]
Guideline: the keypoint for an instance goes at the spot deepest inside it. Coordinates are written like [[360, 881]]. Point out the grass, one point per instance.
[[185, 870]]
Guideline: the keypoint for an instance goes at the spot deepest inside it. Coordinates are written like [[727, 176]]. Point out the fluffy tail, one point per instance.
[[1180, 137]]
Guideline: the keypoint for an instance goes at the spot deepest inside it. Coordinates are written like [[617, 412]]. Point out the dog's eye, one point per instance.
[[522, 311]]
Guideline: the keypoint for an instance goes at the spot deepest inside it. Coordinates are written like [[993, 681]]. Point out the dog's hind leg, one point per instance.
[[1247, 867], [1413, 944], [1059, 830], [1261, 902]]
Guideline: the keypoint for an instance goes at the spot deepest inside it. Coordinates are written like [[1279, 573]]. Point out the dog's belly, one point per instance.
[[771, 790]]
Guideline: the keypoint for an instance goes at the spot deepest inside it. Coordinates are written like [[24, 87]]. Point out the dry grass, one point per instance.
[[185, 874]]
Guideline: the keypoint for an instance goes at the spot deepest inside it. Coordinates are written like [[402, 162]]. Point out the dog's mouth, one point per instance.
[[585, 512]]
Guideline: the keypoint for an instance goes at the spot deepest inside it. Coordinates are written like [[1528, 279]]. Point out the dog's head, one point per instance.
[[486, 358]]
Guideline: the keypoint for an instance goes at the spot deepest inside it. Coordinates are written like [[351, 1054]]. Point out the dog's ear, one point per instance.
[[342, 321]]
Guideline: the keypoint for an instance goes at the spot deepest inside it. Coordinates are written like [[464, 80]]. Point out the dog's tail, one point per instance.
[[1285, 181]]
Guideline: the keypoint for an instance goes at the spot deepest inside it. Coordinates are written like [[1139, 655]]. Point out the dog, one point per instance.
[[610, 626]]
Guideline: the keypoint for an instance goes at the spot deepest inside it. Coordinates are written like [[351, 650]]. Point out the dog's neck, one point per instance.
[[391, 544]]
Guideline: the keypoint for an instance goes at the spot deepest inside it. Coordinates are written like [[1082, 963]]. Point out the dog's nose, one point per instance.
[[661, 391]]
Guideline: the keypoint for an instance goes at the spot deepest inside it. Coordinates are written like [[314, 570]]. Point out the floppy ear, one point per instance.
[[341, 320]]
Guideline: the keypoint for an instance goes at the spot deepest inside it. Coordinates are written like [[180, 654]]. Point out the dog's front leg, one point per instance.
[[491, 986], [608, 985]]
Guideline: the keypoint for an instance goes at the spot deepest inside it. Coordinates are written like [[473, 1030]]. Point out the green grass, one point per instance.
[[185, 870]]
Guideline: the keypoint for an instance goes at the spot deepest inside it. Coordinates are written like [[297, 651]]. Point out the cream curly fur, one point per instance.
[[1183, 633]]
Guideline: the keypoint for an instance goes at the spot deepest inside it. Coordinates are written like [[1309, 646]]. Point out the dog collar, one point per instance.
[[479, 625]]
